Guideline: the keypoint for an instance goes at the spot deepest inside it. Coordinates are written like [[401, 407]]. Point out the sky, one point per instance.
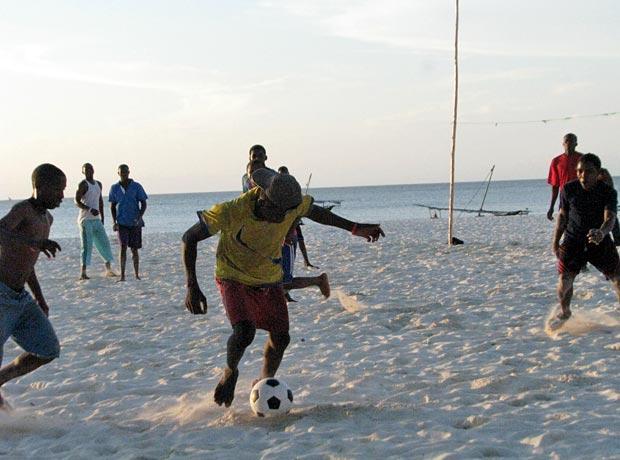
[[354, 92]]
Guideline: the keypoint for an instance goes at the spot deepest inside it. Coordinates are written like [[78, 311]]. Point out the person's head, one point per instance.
[[48, 184], [123, 172], [569, 143], [283, 170], [258, 152], [253, 165], [88, 170], [605, 177], [279, 194], [588, 169]]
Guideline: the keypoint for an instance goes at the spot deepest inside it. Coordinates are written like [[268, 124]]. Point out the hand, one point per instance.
[[195, 301], [115, 227], [43, 304], [47, 247], [94, 211], [550, 214], [556, 249], [595, 235], [371, 232]]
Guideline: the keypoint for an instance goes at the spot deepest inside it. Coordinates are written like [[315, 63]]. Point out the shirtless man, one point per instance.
[[248, 270], [587, 215], [24, 233]]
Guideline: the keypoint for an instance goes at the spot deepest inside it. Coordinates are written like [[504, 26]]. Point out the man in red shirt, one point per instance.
[[563, 169]]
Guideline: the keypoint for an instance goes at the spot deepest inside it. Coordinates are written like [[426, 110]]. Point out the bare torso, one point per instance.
[[16, 259]]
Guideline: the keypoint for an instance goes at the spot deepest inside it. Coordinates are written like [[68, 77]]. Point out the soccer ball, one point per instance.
[[271, 397]]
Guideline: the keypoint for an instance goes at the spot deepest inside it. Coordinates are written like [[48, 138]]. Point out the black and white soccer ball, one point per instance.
[[271, 396]]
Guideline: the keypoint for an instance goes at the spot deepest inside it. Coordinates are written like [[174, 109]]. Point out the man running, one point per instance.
[[24, 233], [587, 215], [90, 220], [248, 270]]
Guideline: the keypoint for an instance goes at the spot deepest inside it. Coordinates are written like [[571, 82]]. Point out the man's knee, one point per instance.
[[244, 332]]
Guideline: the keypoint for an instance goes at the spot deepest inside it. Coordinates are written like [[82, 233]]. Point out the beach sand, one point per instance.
[[423, 351]]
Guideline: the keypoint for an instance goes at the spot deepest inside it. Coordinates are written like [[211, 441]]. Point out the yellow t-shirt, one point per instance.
[[249, 250]]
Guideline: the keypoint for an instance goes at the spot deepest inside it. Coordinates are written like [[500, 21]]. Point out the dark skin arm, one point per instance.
[[113, 213], [101, 203], [555, 191], [142, 208], [372, 232], [302, 247], [35, 287], [46, 246], [195, 300], [82, 189], [560, 226]]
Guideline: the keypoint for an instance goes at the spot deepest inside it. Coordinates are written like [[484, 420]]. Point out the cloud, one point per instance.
[[425, 27]]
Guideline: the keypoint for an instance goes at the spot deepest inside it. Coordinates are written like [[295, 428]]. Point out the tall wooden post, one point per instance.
[[456, 98]]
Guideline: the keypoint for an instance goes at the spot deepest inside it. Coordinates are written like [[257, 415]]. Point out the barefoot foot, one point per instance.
[[225, 389], [324, 285], [83, 276], [110, 274]]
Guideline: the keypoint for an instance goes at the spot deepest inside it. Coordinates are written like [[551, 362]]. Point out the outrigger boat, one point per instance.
[[433, 209]]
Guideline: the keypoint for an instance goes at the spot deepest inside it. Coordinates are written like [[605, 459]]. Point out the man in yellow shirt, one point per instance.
[[248, 270]]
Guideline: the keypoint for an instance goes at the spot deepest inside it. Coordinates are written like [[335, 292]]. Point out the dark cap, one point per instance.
[[282, 189]]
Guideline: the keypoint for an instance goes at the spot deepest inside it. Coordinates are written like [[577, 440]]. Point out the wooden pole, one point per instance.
[[456, 98]]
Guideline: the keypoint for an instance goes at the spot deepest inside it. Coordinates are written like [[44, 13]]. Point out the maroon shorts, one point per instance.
[[574, 255], [264, 307]]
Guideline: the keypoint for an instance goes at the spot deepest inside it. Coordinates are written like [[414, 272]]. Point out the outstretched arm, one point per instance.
[[371, 232], [195, 300]]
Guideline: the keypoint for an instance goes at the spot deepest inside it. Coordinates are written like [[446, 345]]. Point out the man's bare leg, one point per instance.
[[22, 365], [135, 257], [565, 294], [615, 282], [240, 339], [83, 275], [321, 281], [274, 351], [108, 270], [123, 260]]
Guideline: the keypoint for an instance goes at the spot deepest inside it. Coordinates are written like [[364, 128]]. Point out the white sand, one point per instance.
[[422, 352]]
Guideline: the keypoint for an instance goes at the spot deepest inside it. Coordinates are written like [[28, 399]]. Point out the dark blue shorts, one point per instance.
[[130, 236]]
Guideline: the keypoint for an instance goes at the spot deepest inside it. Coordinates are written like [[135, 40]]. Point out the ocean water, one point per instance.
[[176, 212]]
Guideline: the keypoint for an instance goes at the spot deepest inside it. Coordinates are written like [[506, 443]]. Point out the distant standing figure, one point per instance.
[[128, 205], [587, 214], [90, 220], [24, 232], [257, 152], [295, 238], [562, 169], [605, 177]]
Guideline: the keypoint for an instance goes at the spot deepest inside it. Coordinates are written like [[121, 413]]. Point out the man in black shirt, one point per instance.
[[587, 215]]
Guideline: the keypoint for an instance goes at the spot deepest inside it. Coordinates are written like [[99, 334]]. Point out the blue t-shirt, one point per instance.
[[127, 201]]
